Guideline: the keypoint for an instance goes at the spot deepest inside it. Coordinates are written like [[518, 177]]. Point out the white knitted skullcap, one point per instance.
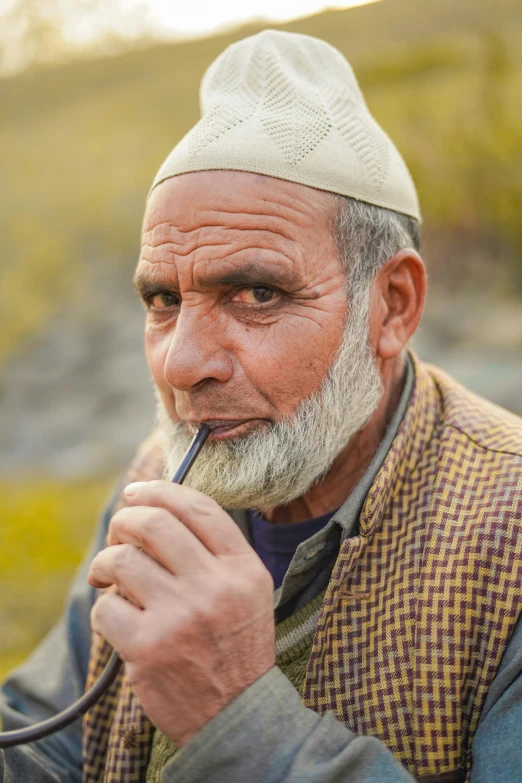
[[289, 106]]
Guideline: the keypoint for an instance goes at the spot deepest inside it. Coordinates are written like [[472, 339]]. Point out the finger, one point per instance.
[[133, 572], [216, 530], [161, 536], [117, 621]]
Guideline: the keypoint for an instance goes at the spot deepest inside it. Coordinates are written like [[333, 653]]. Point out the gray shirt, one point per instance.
[[265, 734]]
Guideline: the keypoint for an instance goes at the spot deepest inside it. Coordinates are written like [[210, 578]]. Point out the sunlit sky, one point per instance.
[[86, 21], [185, 18], [196, 16]]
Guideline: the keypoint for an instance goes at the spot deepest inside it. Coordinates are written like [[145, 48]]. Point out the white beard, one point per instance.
[[283, 460]]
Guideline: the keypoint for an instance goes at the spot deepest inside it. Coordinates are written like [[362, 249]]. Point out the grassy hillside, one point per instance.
[[46, 527], [81, 143]]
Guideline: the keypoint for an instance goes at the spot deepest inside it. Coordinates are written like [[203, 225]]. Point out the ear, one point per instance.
[[397, 302]]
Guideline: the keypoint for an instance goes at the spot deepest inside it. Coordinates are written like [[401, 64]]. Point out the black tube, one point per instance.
[[109, 674], [191, 453]]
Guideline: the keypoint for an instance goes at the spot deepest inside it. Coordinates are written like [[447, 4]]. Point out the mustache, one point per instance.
[[183, 431], [216, 404]]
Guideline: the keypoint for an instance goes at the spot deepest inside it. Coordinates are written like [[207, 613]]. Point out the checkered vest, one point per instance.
[[420, 605]]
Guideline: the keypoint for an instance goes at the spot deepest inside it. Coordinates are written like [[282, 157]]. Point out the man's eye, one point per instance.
[[163, 301], [257, 294]]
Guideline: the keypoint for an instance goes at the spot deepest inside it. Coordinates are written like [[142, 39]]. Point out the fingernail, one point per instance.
[[133, 489]]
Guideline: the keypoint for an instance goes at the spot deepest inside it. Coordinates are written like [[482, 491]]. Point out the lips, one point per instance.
[[223, 429]]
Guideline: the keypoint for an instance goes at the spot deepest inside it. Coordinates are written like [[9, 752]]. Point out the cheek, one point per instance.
[[288, 363]]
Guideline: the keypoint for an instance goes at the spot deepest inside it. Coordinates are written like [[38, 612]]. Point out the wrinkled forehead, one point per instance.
[[207, 197], [215, 222]]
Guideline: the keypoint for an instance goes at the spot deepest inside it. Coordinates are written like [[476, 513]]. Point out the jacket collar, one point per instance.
[[414, 435]]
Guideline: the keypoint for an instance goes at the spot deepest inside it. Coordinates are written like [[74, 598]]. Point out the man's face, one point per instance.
[[245, 294]]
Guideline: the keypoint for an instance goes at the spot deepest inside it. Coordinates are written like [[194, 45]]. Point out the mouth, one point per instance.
[[226, 429]]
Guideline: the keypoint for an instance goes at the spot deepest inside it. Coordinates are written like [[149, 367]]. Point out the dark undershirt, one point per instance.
[[276, 543]]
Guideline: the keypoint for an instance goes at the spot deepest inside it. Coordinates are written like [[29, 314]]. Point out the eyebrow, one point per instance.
[[148, 288], [247, 275]]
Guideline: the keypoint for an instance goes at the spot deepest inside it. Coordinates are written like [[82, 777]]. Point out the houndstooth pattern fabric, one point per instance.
[[422, 603], [117, 735], [420, 606]]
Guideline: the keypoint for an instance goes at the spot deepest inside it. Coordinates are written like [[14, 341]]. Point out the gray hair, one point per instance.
[[367, 236]]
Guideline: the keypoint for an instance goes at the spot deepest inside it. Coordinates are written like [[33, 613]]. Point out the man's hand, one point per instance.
[[198, 626]]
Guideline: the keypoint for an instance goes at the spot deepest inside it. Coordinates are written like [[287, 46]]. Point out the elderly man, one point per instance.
[[282, 282]]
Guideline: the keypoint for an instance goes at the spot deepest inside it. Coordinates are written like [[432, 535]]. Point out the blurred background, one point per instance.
[[93, 95]]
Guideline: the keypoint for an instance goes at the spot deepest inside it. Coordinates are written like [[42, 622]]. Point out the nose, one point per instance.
[[196, 353]]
